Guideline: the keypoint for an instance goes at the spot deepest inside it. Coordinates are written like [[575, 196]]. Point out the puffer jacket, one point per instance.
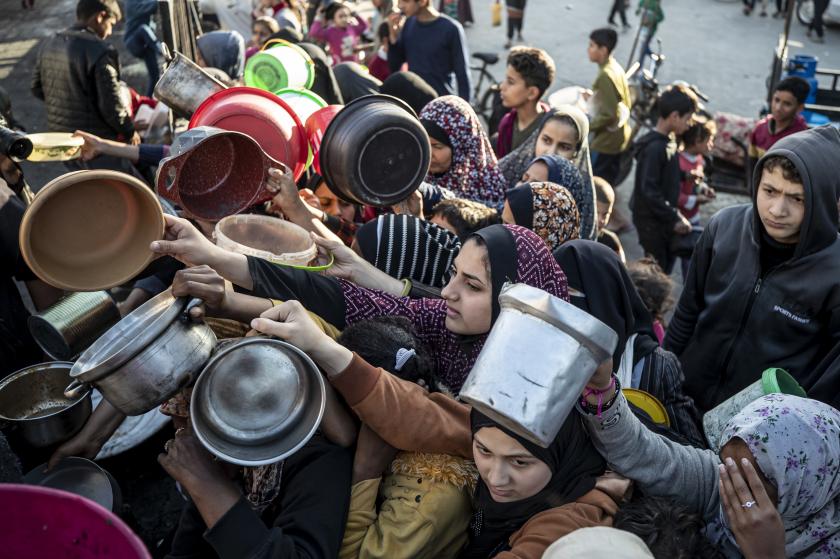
[[425, 508], [733, 320], [77, 75]]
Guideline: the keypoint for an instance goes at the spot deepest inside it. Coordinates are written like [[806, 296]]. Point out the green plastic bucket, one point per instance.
[[772, 381], [284, 65]]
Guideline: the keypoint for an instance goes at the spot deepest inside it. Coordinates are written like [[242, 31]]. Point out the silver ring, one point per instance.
[[748, 505], [166, 445]]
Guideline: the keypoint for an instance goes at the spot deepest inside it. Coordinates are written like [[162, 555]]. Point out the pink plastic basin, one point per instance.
[[262, 115], [39, 522]]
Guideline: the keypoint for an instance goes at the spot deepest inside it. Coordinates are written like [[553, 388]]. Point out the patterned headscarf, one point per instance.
[[563, 172], [796, 443], [515, 254], [404, 246], [546, 208], [474, 173]]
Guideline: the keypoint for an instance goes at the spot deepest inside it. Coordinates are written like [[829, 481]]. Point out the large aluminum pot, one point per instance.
[[33, 405], [185, 85], [68, 327], [535, 363], [146, 357]]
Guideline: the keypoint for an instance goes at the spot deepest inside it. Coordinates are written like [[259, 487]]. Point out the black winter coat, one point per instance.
[[77, 75], [733, 320]]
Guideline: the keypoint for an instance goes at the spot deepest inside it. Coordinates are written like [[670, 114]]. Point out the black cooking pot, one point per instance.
[[375, 152]]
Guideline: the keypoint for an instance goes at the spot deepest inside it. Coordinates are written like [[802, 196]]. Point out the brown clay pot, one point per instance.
[[91, 230]]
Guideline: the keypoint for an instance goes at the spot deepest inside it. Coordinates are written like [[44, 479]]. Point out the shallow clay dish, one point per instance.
[[91, 230]]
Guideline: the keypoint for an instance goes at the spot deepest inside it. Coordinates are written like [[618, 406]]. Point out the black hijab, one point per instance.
[[610, 296], [503, 256], [409, 87], [574, 464]]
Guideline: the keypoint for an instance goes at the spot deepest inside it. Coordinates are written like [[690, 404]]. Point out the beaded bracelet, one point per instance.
[[600, 393]]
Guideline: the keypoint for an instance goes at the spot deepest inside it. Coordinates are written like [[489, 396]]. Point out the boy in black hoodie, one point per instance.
[[763, 286], [657, 188]]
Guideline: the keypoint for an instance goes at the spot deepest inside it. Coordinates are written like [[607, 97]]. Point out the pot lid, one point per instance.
[[128, 337], [257, 402]]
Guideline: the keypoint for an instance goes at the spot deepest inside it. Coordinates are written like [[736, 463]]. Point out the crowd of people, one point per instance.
[[400, 466]]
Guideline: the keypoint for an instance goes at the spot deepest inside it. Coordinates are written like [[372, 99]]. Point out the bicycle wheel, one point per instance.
[[805, 12], [484, 107]]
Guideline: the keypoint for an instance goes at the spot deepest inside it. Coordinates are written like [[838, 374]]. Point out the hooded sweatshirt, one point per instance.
[[735, 319], [657, 182]]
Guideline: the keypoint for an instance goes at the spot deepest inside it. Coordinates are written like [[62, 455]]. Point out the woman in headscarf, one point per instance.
[[564, 131], [223, 50], [600, 285], [548, 209], [527, 496], [454, 327], [409, 87], [405, 246], [462, 159], [556, 169], [773, 489]]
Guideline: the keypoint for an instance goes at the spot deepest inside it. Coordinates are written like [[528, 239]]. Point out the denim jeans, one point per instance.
[[143, 44]]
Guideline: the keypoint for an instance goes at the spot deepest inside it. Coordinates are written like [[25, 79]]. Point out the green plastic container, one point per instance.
[[772, 381], [284, 65]]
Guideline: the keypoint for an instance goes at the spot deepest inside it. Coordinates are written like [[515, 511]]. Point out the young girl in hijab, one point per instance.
[[454, 327], [527, 496], [600, 285], [556, 169], [546, 208], [462, 159], [773, 489], [564, 131]]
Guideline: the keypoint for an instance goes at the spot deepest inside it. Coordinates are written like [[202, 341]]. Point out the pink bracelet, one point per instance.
[[600, 394]]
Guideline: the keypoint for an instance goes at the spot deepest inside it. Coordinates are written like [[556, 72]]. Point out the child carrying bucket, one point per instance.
[[341, 32]]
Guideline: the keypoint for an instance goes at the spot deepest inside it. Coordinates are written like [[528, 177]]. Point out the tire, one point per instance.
[[805, 12], [625, 165]]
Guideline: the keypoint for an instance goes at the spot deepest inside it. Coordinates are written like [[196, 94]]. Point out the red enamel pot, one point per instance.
[[263, 116], [220, 173]]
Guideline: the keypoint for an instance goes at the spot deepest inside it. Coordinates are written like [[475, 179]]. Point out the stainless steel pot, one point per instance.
[[535, 363], [146, 357], [33, 405], [68, 327], [185, 85]]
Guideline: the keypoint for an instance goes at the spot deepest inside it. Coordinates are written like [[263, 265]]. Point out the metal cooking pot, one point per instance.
[[375, 152], [146, 357], [184, 85], [257, 401], [68, 327], [518, 383], [33, 405], [216, 173]]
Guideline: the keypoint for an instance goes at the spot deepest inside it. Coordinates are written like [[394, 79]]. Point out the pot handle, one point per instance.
[[264, 194], [75, 388], [191, 304], [168, 177]]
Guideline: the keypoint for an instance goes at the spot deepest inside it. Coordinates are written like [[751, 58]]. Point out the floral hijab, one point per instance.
[[546, 208], [563, 172], [796, 443], [474, 173]]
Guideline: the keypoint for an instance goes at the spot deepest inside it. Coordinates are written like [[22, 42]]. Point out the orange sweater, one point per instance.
[[409, 418]]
